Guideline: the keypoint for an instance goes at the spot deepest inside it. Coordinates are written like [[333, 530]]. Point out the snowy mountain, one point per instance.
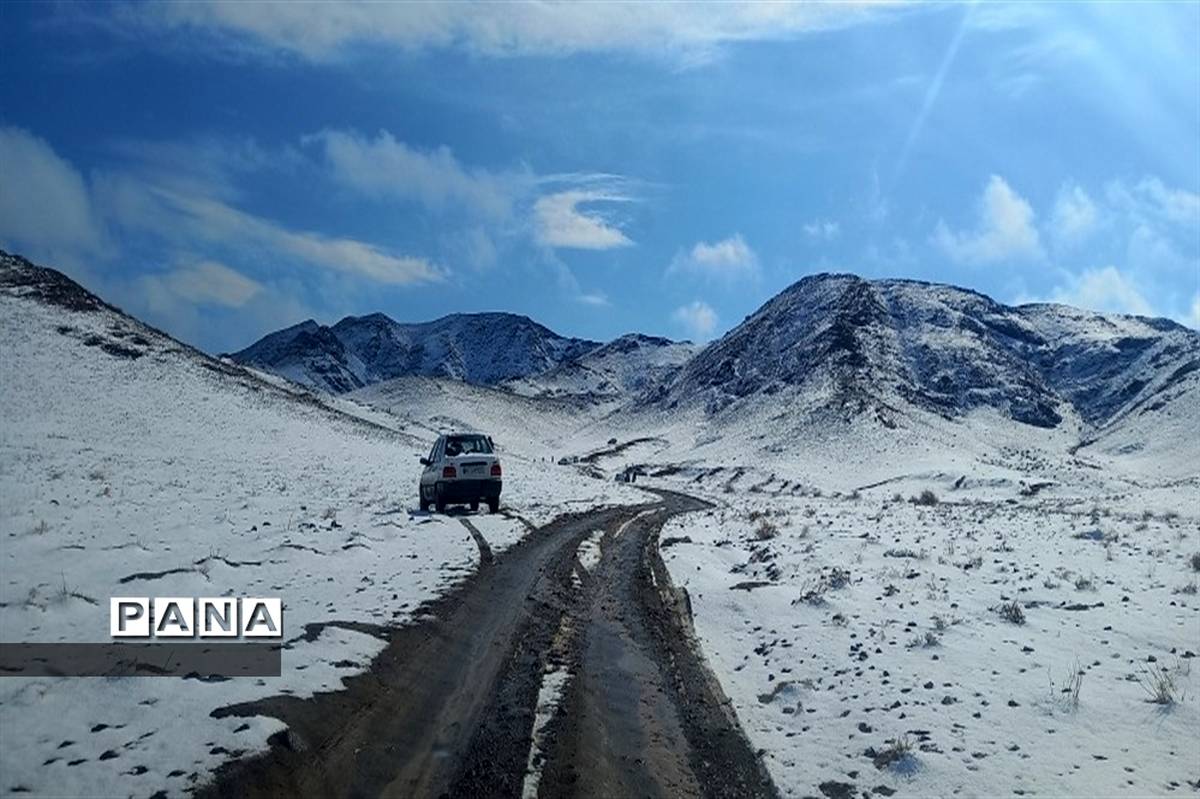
[[484, 348], [877, 348], [621, 369]]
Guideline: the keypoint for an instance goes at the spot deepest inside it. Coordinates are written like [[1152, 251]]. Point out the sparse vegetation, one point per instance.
[[1012, 612], [929, 639], [66, 593], [926, 498], [813, 591], [766, 530], [1067, 694], [1162, 682], [1196, 561], [897, 750]]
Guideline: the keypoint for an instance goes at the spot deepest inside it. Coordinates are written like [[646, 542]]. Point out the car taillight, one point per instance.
[[495, 470], [449, 471]]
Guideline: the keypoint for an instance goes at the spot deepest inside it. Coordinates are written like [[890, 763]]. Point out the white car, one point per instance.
[[462, 469]]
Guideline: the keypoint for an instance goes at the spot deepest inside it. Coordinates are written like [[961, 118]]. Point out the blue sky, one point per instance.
[[222, 169]]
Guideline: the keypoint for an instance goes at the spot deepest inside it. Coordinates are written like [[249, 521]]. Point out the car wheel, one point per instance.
[[475, 506], [493, 505]]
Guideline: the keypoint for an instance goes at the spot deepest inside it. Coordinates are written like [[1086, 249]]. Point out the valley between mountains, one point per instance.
[[882, 538]]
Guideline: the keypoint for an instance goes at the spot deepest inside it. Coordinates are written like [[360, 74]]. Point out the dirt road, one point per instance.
[[453, 706]]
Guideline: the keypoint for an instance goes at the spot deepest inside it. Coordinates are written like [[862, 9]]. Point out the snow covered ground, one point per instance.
[[133, 466], [872, 644]]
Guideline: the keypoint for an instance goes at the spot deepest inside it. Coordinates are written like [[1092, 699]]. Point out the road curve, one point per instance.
[[448, 708]]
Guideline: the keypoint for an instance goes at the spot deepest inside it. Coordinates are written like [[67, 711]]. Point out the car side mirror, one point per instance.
[[424, 461]]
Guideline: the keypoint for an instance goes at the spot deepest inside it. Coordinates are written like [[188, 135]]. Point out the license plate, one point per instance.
[[473, 470]]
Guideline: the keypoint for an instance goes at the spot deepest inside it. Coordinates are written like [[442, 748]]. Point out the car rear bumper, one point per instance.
[[468, 490]]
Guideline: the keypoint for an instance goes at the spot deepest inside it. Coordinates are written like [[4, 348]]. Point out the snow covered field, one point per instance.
[[132, 466], [971, 647]]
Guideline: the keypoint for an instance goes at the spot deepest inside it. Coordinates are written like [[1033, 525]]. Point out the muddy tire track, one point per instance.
[[447, 709]]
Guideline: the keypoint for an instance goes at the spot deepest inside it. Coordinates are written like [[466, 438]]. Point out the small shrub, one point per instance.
[[1161, 682], [1196, 561], [1067, 694], [1012, 612], [1084, 584], [929, 639], [897, 751], [1189, 589], [926, 497], [766, 530], [813, 592]]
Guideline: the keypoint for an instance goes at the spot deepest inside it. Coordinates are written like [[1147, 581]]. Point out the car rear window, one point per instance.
[[468, 445]]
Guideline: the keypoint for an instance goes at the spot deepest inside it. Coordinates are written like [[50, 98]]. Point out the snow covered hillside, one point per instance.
[[133, 465], [618, 371], [481, 348], [873, 347], [1027, 645]]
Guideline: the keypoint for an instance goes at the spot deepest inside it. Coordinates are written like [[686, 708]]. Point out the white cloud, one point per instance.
[[822, 229], [698, 318], [186, 220], [688, 33], [597, 299], [1074, 217], [1005, 230], [386, 167], [729, 259], [45, 204], [1177, 205], [560, 222], [206, 283], [1106, 289], [1151, 198]]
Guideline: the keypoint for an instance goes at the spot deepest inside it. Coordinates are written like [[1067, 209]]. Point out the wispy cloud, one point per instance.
[[205, 283], [45, 204], [932, 92], [727, 259], [1074, 217], [1005, 230], [569, 219], [687, 33], [822, 229], [1106, 289], [697, 318], [596, 299], [385, 167], [171, 215]]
